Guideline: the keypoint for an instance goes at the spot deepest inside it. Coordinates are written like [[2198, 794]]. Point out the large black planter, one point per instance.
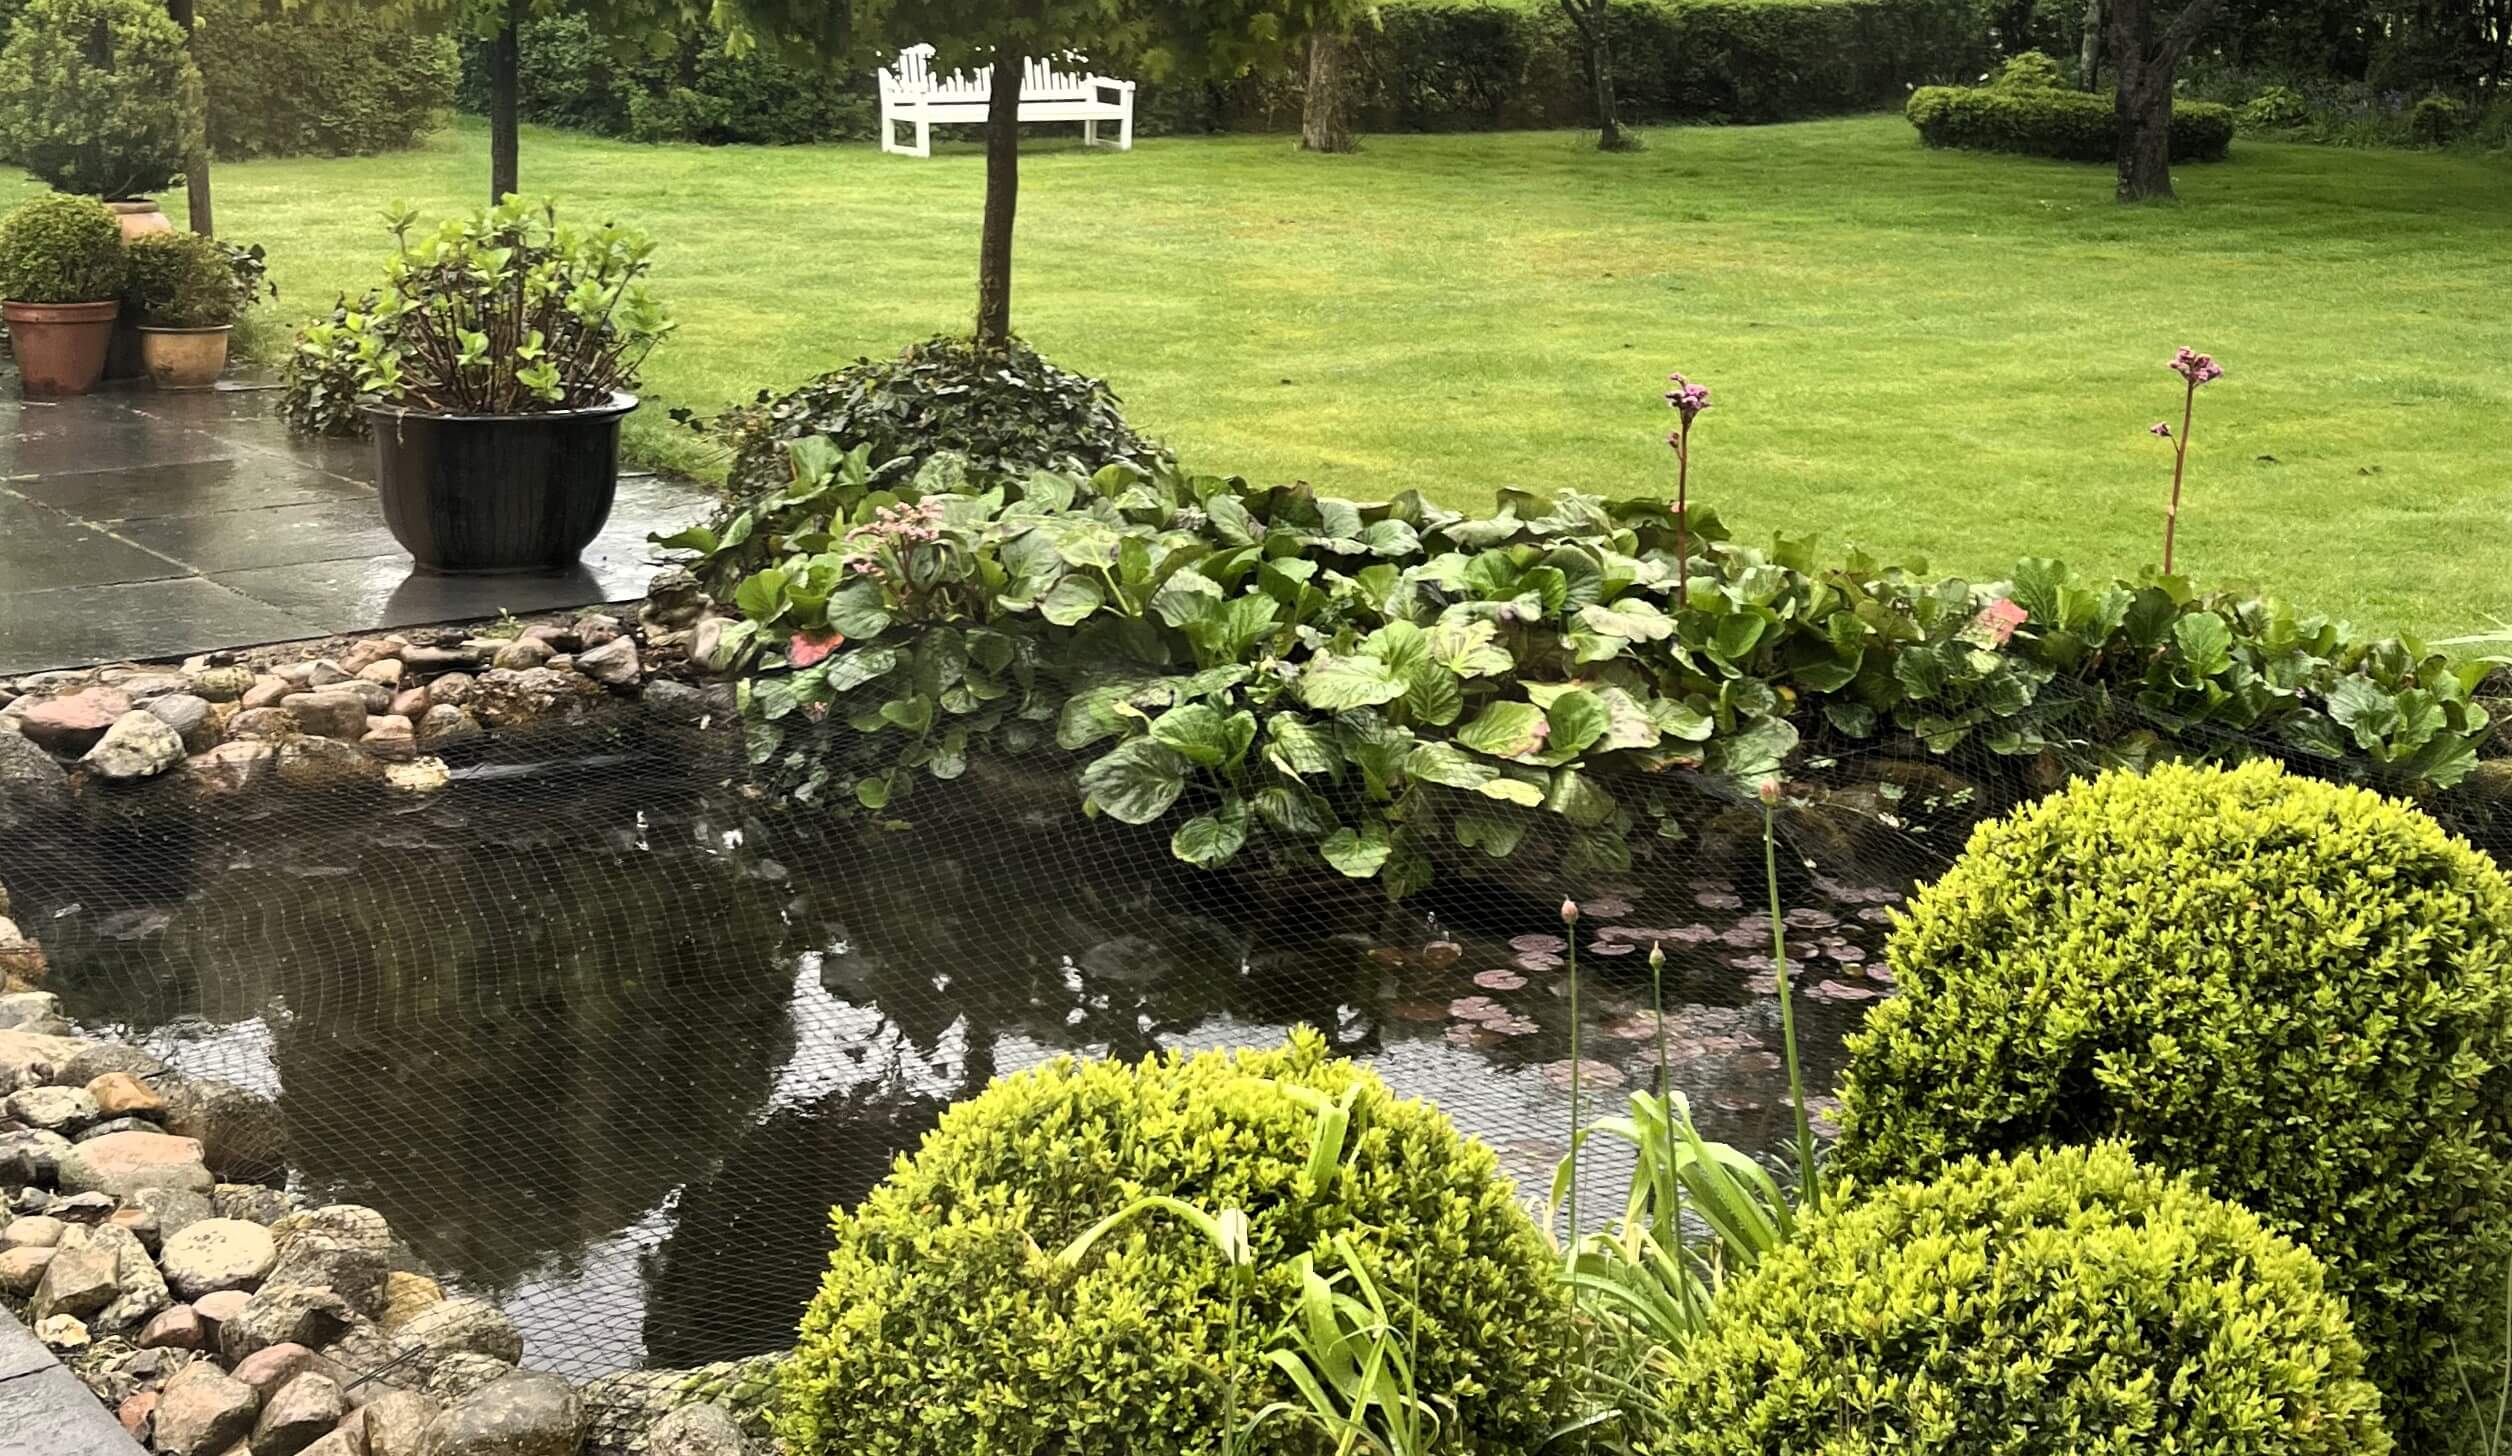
[[483, 493]]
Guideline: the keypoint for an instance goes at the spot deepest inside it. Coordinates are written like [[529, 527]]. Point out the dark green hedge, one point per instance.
[[286, 85], [697, 93], [2074, 126]]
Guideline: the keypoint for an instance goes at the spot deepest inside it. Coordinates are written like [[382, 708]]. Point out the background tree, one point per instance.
[[1167, 39], [196, 165], [2146, 51], [2089, 50], [1589, 18], [1326, 105], [653, 24]]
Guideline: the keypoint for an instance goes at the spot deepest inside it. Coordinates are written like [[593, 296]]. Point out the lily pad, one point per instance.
[[1476, 1008], [1419, 1011], [1538, 943], [1611, 948], [1806, 917], [1502, 979], [1719, 900], [1439, 955], [1592, 1076]]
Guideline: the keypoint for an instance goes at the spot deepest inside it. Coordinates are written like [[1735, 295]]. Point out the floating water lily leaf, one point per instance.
[[1439, 955], [1500, 980], [1591, 1076]]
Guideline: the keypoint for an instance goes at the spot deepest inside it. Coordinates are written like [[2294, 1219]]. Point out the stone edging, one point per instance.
[[44, 1411]]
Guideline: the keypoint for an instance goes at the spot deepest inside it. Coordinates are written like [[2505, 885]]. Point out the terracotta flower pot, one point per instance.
[[139, 217], [184, 358], [60, 346]]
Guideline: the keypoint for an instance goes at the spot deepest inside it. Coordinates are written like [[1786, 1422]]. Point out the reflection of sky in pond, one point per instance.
[[607, 1046]]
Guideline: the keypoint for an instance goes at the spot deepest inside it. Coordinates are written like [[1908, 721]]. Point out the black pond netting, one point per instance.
[[605, 1034]]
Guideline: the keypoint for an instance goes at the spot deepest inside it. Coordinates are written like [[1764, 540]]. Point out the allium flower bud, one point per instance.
[[1657, 956], [1569, 912], [1768, 790]]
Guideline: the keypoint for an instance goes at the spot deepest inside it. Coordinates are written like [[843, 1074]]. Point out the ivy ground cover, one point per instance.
[[1926, 354]]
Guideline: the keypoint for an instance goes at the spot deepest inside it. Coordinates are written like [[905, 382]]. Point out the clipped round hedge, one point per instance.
[[941, 1326], [99, 96], [2064, 1303], [59, 248], [2299, 993], [301, 84], [2072, 126]]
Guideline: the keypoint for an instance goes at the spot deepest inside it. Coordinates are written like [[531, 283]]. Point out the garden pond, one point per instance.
[[604, 1035]]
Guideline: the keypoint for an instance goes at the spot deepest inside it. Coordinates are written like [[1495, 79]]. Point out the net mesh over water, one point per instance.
[[605, 1035]]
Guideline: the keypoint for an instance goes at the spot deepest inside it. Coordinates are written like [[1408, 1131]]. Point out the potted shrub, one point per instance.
[[495, 371], [189, 292], [62, 269], [101, 97]]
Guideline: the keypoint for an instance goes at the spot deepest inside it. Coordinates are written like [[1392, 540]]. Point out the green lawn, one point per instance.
[[1938, 354]]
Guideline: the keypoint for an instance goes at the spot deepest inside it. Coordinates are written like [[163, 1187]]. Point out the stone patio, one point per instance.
[[138, 525]]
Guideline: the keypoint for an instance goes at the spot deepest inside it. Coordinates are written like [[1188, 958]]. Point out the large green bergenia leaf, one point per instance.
[[1505, 730], [1336, 684], [1138, 782]]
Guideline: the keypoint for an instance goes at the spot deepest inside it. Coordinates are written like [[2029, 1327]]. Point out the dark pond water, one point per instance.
[[605, 1038]]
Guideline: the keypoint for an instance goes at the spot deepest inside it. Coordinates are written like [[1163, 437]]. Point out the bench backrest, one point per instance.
[[1040, 79]]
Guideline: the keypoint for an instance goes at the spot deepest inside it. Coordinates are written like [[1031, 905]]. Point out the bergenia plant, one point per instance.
[[1687, 400], [2195, 369]]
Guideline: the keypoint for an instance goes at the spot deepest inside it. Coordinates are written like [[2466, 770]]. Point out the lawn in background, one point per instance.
[[1931, 354]]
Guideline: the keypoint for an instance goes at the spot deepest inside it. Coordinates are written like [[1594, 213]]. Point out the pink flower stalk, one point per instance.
[[2195, 369], [1687, 400]]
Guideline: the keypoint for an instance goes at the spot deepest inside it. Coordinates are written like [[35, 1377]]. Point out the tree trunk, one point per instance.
[[994, 254], [505, 107], [196, 156], [1326, 111], [2089, 51], [1589, 17], [2145, 65]]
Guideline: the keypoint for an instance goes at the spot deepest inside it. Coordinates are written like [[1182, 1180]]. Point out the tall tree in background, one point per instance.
[[2146, 50], [628, 24], [1588, 17], [196, 166], [1326, 105], [2089, 49], [1208, 39]]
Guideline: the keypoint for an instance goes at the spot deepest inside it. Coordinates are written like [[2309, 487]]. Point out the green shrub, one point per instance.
[[2275, 109], [291, 84], [2073, 126], [318, 381], [2435, 120], [2030, 71], [941, 1326], [701, 91], [2297, 992], [62, 249], [184, 281], [1008, 414], [99, 96], [2064, 1303]]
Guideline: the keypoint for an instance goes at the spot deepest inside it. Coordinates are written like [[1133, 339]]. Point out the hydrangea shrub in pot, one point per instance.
[[495, 370], [189, 294], [62, 269]]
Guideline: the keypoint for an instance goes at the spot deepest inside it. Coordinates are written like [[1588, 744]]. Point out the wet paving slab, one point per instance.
[[136, 524]]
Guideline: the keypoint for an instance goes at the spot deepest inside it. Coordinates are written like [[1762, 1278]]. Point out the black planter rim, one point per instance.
[[620, 403]]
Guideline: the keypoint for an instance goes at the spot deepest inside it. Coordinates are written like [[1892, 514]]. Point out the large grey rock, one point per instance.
[[242, 1135], [126, 1162], [139, 745], [218, 1253], [31, 1156], [97, 1059], [34, 1231], [29, 1010], [509, 699], [231, 768], [613, 664], [203, 1411], [696, 1430], [223, 684], [329, 713], [53, 1109], [528, 1414], [302, 1411], [282, 1314], [177, 1209], [445, 724], [79, 1281], [396, 1422], [454, 1376], [190, 716], [471, 1325], [21, 1269], [326, 763], [32, 786], [140, 1291], [255, 1202], [343, 1247]]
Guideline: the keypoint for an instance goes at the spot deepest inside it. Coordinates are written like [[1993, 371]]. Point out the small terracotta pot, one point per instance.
[[184, 358], [60, 346], [139, 217]]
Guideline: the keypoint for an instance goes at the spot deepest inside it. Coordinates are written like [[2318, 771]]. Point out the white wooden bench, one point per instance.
[[913, 96]]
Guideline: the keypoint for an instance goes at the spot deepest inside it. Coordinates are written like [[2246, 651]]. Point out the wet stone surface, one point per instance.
[[135, 524]]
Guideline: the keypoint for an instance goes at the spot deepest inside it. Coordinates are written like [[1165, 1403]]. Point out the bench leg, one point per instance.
[[924, 138], [1090, 133], [1125, 137]]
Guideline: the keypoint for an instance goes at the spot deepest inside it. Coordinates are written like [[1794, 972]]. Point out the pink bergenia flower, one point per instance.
[[2195, 367], [1998, 620], [1687, 398], [2159, 430]]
